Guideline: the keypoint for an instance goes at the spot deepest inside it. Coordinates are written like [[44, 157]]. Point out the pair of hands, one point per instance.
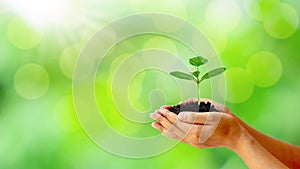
[[201, 130]]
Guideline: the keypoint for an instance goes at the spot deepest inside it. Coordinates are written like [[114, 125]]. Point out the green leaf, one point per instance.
[[197, 61], [196, 73], [182, 75], [213, 73]]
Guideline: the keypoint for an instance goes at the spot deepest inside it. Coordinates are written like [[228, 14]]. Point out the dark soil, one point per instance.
[[193, 107]]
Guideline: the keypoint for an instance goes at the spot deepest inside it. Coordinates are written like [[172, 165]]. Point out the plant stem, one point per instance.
[[198, 87], [198, 93]]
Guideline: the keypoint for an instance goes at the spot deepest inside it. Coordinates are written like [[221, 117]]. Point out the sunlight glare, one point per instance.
[[40, 12]]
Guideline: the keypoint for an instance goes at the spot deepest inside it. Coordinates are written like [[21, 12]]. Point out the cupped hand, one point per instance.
[[211, 129]]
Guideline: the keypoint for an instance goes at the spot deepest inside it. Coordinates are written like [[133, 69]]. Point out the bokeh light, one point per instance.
[[223, 15], [264, 68], [239, 86], [281, 22], [23, 35], [31, 81], [218, 38], [68, 59], [258, 9]]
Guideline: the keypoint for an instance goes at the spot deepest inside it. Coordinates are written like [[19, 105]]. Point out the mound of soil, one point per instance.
[[193, 107]]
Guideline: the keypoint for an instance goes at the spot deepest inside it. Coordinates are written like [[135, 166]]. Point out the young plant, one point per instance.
[[194, 76]]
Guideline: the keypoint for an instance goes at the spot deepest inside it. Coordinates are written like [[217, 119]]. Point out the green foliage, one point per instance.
[[213, 73], [197, 61], [182, 75], [196, 73], [194, 76]]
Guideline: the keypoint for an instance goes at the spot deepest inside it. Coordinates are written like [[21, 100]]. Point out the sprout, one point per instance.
[[195, 75]]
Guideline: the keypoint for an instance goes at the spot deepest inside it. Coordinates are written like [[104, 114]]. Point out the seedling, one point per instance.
[[195, 75]]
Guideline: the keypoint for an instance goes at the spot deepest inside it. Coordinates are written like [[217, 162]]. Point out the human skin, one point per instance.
[[215, 129], [287, 153]]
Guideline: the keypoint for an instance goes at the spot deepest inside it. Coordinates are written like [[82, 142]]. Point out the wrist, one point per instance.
[[244, 139], [237, 135]]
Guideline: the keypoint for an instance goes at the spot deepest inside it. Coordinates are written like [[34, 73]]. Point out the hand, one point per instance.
[[212, 129], [223, 128]]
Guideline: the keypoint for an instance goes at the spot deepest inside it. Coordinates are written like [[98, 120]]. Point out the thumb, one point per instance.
[[194, 117], [189, 117]]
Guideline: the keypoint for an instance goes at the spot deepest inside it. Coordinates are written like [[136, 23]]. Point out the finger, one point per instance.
[[170, 121], [193, 117], [175, 133], [181, 128], [161, 119], [173, 118], [188, 128], [168, 133], [191, 137], [167, 114], [156, 114], [214, 118], [172, 133], [153, 115], [157, 126]]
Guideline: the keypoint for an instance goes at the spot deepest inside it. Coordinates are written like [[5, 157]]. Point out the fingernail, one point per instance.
[[153, 124], [151, 115]]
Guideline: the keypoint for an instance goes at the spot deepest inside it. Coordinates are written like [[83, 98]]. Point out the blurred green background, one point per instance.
[[257, 40]]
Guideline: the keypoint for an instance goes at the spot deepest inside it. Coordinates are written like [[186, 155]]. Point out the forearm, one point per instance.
[[288, 154], [255, 155]]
